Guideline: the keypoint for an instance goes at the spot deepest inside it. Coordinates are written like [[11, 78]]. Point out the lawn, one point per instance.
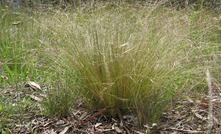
[[102, 63]]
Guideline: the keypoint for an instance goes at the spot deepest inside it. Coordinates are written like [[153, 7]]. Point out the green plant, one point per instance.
[[60, 99], [20, 52], [20, 62], [132, 59]]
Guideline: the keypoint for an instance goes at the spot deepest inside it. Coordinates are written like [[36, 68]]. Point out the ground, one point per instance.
[[190, 115]]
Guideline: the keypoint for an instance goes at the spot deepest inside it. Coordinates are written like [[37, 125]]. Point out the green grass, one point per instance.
[[61, 97], [19, 52], [136, 59], [20, 62]]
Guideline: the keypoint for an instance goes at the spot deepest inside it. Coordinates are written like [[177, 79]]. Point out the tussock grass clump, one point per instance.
[[130, 59]]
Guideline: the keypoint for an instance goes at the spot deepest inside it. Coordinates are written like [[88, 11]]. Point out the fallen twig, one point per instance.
[[95, 115], [187, 131]]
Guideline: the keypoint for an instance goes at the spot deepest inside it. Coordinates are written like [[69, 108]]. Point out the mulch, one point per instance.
[[189, 116]]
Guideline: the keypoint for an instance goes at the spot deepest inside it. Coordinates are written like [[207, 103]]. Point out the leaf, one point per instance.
[[36, 98], [97, 124], [16, 22], [118, 130], [188, 99], [65, 130], [33, 85]]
